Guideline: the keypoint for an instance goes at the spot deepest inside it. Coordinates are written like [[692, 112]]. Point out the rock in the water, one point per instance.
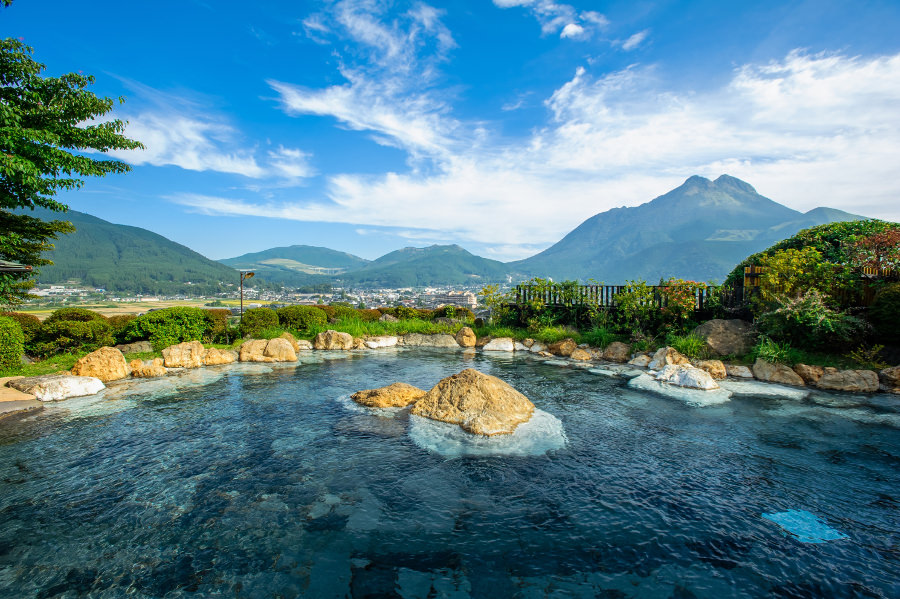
[[359, 343], [537, 347], [726, 337], [528, 342], [214, 357], [388, 318], [147, 368], [685, 375], [273, 350], [398, 395], [333, 340], [853, 381], [138, 347], [519, 346], [106, 364], [54, 387], [665, 356], [759, 389], [890, 379], [500, 344], [617, 352], [184, 355], [381, 342], [465, 337], [809, 374], [738, 371], [563, 348], [715, 368], [641, 360], [776, 373], [479, 403], [303, 344], [292, 340], [580, 355], [697, 397], [252, 351], [419, 340]]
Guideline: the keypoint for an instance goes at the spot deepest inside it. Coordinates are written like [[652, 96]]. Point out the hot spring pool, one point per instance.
[[256, 481]]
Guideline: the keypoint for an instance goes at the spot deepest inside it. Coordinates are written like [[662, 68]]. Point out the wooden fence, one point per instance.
[[604, 296]]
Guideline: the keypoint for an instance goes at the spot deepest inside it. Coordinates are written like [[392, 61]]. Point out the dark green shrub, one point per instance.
[[12, 343], [118, 325], [457, 312], [301, 318], [255, 320], [63, 336], [345, 312], [369, 315], [29, 323], [692, 346], [406, 313], [884, 314], [218, 323], [75, 315], [807, 322], [168, 326]]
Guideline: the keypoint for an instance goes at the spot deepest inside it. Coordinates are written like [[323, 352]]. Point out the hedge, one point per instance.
[[256, 320], [169, 326], [301, 318], [12, 343]]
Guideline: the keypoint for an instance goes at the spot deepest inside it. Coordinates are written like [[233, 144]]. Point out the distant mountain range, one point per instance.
[[697, 231]]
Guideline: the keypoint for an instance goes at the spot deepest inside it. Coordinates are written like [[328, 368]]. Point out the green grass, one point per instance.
[[51, 365], [689, 345]]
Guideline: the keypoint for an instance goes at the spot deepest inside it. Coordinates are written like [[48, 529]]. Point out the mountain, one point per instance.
[[297, 264], [101, 254], [434, 265], [697, 231]]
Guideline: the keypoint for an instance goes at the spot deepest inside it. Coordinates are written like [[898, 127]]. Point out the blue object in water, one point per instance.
[[805, 526]]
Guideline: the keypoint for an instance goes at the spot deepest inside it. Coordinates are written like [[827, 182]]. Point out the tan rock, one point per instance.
[[280, 350], [106, 364], [528, 342], [398, 395], [617, 352], [726, 337], [466, 337], [665, 356], [184, 355], [214, 357], [809, 374], [303, 344], [359, 343], [776, 373], [890, 379], [333, 340], [580, 355], [715, 368], [482, 341], [292, 340], [479, 403], [852, 381], [563, 348], [641, 360], [147, 368], [253, 350], [738, 371]]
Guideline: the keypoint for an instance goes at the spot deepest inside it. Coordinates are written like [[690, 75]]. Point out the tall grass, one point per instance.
[[691, 345]]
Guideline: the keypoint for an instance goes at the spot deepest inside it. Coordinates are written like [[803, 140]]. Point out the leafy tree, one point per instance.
[[46, 123]]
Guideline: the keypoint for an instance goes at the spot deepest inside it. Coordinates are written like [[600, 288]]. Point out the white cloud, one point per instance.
[[635, 40], [555, 17], [807, 131], [572, 30]]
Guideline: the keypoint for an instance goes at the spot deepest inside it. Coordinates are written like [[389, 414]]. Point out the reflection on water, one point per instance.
[[263, 481]]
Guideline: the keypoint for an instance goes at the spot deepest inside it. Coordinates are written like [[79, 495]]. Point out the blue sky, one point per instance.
[[366, 125]]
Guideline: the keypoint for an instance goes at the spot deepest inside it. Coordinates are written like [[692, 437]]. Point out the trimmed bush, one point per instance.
[[255, 320], [457, 312], [12, 343], [369, 315], [884, 314], [218, 322], [29, 323], [168, 326], [75, 315], [301, 318], [62, 336]]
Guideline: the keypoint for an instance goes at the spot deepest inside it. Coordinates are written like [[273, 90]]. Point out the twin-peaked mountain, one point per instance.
[[697, 231]]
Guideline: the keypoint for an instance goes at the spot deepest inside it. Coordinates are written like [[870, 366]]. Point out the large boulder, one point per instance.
[[580, 355], [184, 355], [738, 371], [715, 368], [398, 395], [563, 348], [465, 337], [215, 357], [252, 351], [106, 364], [776, 373], [333, 340], [500, 344], [853, 381], [292, 340], [617, 352], [890, 379], [726, 337], [381, 342], [273, 350], [143, 369], [685, 375], [809, 374], [359, 343], [54, 387], [537, 347], [665, 356], [481, 404], [303, 344], [419, 340]]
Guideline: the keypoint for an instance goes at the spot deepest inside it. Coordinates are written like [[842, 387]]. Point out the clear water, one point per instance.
[[263, 482]]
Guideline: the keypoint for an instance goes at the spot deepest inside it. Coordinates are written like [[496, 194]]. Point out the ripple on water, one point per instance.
[[543, 433]]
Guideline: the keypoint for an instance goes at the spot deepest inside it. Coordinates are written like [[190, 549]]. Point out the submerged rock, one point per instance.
[[333, 340], [479, 403], [665, 356], [106, 364], [684, 375], [776, 373], [697, 397], [397, 395], [184, 355], [764, 390], [54, 387]]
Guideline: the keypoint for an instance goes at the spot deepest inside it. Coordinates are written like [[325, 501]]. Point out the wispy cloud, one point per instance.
[[635, 40], [555, 17]]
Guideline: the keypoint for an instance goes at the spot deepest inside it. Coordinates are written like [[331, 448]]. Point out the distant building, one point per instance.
[[463, 299]]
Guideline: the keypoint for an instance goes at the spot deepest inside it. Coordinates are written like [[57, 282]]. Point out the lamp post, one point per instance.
[[245, 274]]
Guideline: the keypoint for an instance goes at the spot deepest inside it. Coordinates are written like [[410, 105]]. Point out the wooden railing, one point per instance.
[[604, 296]]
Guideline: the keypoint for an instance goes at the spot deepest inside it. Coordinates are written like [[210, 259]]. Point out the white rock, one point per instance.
[[537, 347], [303, 344], [687, 376], [380, 342], [55, 387], [697, 397], [519, 346], [737, 371], [500, 344], [641, 360], [764, 390]]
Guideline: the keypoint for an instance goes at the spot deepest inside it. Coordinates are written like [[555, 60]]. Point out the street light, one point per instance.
[[245, 274]]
